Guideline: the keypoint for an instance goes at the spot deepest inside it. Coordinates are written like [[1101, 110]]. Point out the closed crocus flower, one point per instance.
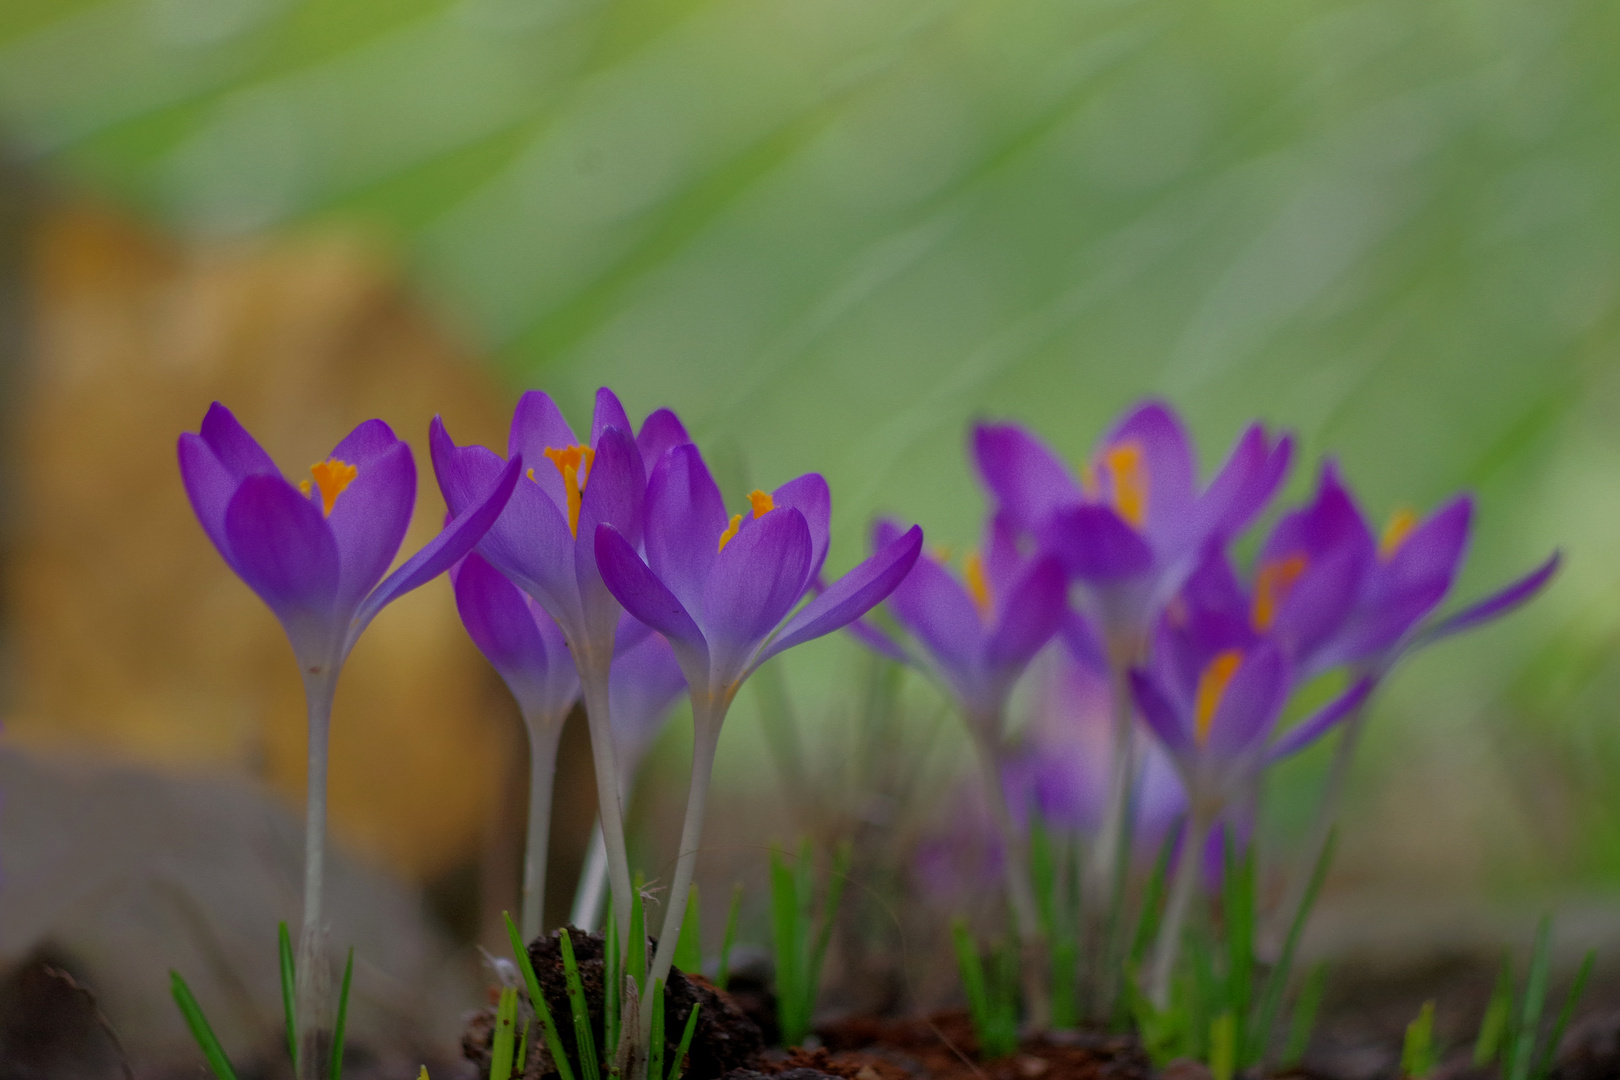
[[723, 588], [317, 552], [526, 647]]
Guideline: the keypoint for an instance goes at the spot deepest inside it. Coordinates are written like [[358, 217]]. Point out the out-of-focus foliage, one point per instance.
[[831, 231]]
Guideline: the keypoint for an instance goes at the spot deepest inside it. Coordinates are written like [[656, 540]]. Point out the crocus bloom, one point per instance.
[[527, 649], [316, 552], [544, 542], [723, 588]]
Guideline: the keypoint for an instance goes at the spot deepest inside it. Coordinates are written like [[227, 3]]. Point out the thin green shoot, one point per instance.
[[678, 1066], [1238, 915], [342, 1018], [723, 974], [655, 1047], [689, 949], [1303, 1021], [501, 1046], [1277, 979], [613, 970], [200, 1031], [1535, 996], [1056, 897], [287, 982], [992, 1002], [843, 856], [522, 1049], [1419, 1054], [1543, 1067], [785, 930], [537, 1000], [584, 1038], [1223, 1043], [801, 935], [1147, 925], [1498, 1019]]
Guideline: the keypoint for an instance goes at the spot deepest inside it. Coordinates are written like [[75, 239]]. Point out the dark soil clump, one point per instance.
[[943, 1047]]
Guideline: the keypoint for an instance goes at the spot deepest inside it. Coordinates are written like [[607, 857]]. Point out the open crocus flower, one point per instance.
[[544, 542], [1212, 699], [722, 588], [316, 552], [528, 651]]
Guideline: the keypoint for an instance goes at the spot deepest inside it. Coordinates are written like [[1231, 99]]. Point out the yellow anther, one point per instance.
[[731, 530], [1128, 480], [331, 477], [1401, 524], [761, 502], [1272, 585], [978, 585], [574, 463], [1212, 684]]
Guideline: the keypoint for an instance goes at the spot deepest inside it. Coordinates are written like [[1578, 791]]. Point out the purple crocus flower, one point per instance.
[[527, 649], [316, 552], [723, 589], [544, 542]]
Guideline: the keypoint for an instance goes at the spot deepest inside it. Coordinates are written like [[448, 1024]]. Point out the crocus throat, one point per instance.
[[1126, 468], [331, 477], [760, 502], [1212, 684], [978, 585], [1272, 585], [574, 463], [1400, 526]]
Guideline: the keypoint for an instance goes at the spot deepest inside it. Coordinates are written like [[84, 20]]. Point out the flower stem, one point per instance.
[[313, 985], [1020, 893], [544, 733], [1111, 871], [593, 677], [1175, 912], [592, 882]]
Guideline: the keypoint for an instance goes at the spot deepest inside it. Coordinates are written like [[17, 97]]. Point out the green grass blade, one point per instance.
[[1223, 1046], [1303, 1022], [200, 1031], [284, 942], [505, 1036], [1239, 926], [689, 947], [522, 1049], [655, 1049], [843, 856], [1043, 873], [613, 970], [1276, 982], [1545, 1063], [1535, 996], [537, 1000], [971, 970], [1004, 1001], [678, 1066], [1417, 1049], [1498, 1018], [784, 930], [723, 975], [343, 1018], [1147, 925], [584, 1038]]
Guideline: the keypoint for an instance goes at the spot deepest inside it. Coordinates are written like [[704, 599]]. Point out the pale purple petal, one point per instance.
[[370, 517], [685, 517], [1251, 704], [1169, 468], [537, 426], [1029, 616], [645, 598], [809, 495], [1245, 484], [645, 681], [238, 452], [661, 431], [209, 486], [1315, 726], [608, 413], [614, 496], [754, 583], [283, 550], [519, 639], [937, 611], [1497, 604], [1162, 718], [1028, 481], [1095, 544], [367, 442]]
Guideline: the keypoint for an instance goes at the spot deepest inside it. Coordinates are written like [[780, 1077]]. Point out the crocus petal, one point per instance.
[[645, 598], [1315, 726], [1213, 588], [877, 639], [1245, 484], [1407, 587], [1170, 472], [209, 486], [937, 611], [614, 496], [645, 681], [1317, 606], [370, 517], [1031, 614], [850, 597], [238, 452], [1081, 639], [755, 582], [1497, 604], [444, 550], [1162, 718], [1004, 564], [1251, 704], [1028, 480], [659, 432], [282, 548], [537, 426], [608, 413], [518, 638], [685, 517], [1095, 544], [365, 444], [809, 495]]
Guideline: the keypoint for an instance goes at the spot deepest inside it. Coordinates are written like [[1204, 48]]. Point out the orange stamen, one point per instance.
[[1128, 480], [1212, 684], [731, 530], [1401, 524], [331, 477], [761, 502], [1272, 585], [978, 585], [574, 463]]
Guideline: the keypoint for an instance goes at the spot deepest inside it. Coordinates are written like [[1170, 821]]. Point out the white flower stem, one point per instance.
[[313, 982], [544, 733], [1020, 892], [1182, 887], [593, 677], [592, 883]]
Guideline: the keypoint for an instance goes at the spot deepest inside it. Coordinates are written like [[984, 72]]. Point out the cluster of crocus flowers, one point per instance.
[[1200, 659]]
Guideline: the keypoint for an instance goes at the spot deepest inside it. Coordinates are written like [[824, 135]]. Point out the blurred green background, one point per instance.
[[832, 232]]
